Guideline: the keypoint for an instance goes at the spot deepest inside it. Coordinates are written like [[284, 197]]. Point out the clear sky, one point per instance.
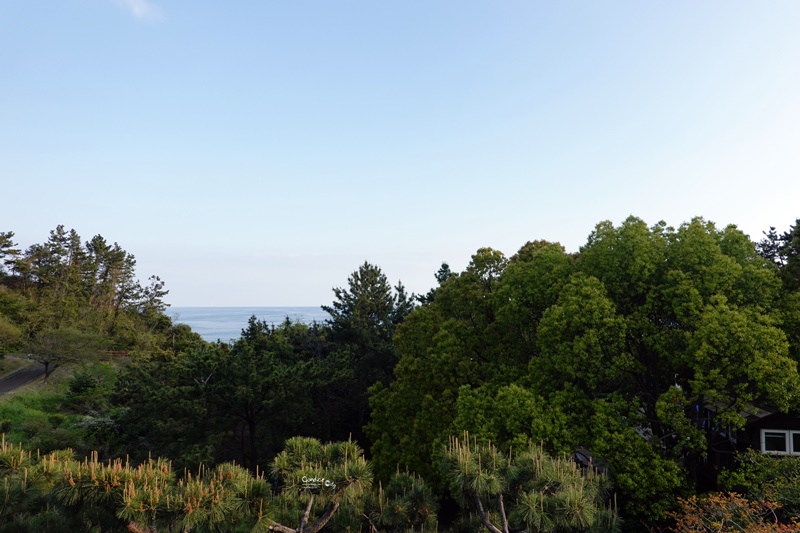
[[256, 152]]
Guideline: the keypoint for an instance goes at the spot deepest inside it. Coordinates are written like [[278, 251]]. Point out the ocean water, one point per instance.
[[227, 323]]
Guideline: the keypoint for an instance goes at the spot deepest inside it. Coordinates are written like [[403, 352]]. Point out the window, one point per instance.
[[780, 441]]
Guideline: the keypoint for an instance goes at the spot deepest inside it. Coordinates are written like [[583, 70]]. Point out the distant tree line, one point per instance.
[[65, 299]]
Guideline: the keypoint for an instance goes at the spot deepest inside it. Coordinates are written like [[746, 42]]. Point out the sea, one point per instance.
[[226, 323]]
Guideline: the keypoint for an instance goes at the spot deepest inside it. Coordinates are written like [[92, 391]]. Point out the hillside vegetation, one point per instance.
[[467, 402]]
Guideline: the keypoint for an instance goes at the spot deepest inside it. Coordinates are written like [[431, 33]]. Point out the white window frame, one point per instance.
[[788, 436]]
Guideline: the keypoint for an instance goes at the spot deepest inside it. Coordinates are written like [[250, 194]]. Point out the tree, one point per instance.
[[529, 285], [311, 486], [263, 382], [114, 284], [55, 492], [57, 269], [615, 347], [527, 489], [218, 402], [8, 250], [477, 335], [162, 405], [405, 505], [91, 285], [55, 348], [657, 321], [316, 480], [10, 335], [151, 298], [453, 341], [364, 317], [442, 275], [784, 251], [368, 307], [510, 416]]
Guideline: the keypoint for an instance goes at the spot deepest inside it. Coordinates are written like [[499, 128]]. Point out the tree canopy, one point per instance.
[[612, 348], [64, 283], [364, 317], [527, 490], [629, 351]]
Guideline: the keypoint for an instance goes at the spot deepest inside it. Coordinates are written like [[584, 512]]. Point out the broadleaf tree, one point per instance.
[[619, 346]]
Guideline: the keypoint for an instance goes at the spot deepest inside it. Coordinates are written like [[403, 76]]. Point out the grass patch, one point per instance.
[[56, 383], [60, 413], [35, 418], [11, 363]]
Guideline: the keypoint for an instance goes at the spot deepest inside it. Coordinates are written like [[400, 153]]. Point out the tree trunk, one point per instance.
[[251, 427]]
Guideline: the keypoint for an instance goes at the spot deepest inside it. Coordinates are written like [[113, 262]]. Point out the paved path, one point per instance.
[[20, 377]]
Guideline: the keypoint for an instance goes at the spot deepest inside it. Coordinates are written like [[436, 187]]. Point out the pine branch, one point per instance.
[[485, 519], [503, 518], [324, 519], [304, 521]]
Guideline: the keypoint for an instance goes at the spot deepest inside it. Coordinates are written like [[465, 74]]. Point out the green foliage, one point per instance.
[[14, 311], [767, 477], [63, 494], [509, 417], [740, 358], [54, 348], [407, 416], [442, 275], [10, 335], [454, 341], [789, 316], [784, 251], [527, 489], [368, 306], [647, 480], [406, 504], [89, 389], [83, 495], [363, 320], [668, 318], [316, 480], [36, 418], [581, 341], [8, 250], [64, 284], [160, 405], [529, 285], [611, 350], [238, 402]]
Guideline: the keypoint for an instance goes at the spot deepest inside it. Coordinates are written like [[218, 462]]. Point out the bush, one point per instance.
[[767, 477], [89, 389], [728, 513]]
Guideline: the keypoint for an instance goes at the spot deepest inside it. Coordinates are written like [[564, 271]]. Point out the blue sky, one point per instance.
[[256, 152]]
